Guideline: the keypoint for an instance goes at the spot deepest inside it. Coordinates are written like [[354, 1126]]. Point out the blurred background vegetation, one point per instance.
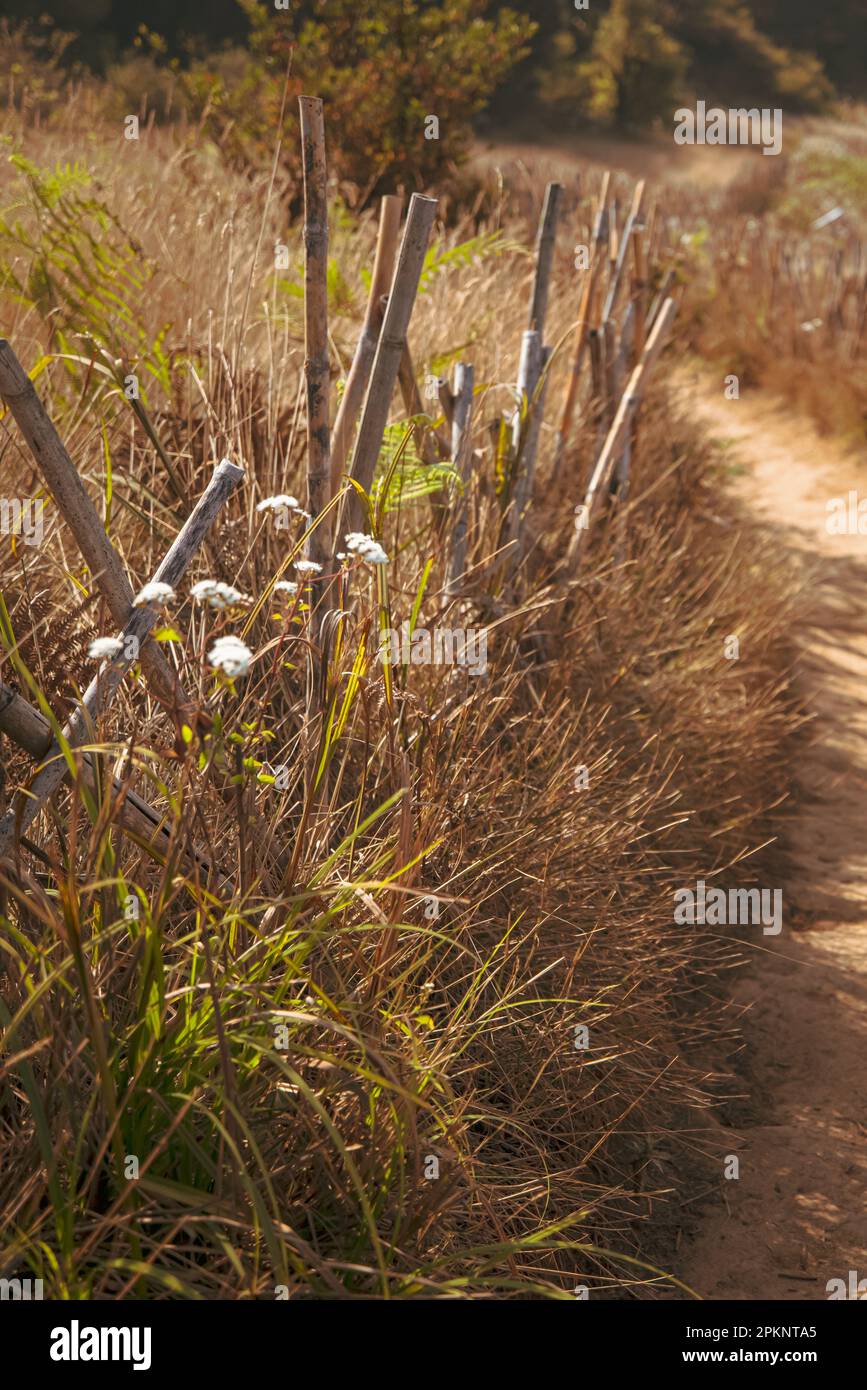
[[518, 69]]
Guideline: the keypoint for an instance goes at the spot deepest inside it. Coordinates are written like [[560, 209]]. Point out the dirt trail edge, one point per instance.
[[797, 1216]]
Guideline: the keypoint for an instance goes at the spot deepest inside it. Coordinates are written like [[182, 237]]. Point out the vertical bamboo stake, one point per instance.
[[618, 433], [461, 454], [525, 432], [316, 321], [389, 349], [545, 238], [623, 250], [600, 239], [639, 289], [362, 363], [64, 483]]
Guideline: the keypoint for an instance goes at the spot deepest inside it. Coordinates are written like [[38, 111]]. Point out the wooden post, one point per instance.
[[545, 238], [623, 249], [525, 432], [104, 685], [600, 241], [63, 481], [389, 349], [362, 363], [461, 457], [618, 433], [316, 369]]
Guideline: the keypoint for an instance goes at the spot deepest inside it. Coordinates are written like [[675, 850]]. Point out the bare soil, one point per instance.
[[797, 1215]]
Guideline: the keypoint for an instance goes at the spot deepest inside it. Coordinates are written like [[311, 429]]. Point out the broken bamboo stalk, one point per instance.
[[105, 684], [431, 447], [461, 457], [545, 239], [618, 433], [377, 403], [64, 483], [362, 363]]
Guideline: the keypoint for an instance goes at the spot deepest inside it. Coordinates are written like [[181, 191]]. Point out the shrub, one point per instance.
[[635, 68], [382, 75]]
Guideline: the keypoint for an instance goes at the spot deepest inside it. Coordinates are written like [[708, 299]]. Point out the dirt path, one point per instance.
[[797, 1216]]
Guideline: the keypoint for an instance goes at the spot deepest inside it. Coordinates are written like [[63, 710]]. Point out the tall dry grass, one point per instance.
[[329, 1089]]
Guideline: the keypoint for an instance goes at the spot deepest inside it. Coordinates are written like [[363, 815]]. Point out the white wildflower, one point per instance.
[[216, 594], [102, 647], [285, 586], [278, 503], [365, 546], [155, 594], [308, 567], [230, 655]]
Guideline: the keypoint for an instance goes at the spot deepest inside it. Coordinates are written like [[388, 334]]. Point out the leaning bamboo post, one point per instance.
[[622, 252], [377, 403], [461, 457], [64, 483], [613, 446], [526, 430], [545, 239], [27, 726], [661, 298], [362, 363], [600, 239], [621, 353], [316, 371], [639, 288], [105, 684]]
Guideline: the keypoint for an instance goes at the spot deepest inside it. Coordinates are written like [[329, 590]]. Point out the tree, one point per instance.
[[635, 70]]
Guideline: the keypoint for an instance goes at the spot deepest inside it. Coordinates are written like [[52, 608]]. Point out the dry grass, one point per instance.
[[406, 1037], [770, 296]]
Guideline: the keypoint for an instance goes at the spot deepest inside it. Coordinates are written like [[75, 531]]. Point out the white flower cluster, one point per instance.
[[154, 595], [231, 656], [104, 647], [357, 543], [280, 503], [217, 594]]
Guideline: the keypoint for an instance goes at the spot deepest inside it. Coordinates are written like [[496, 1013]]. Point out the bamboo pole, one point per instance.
[[639, 289], [64, 482], [362, 363], [600, 241], [622, 251], [618, 433], [461, 457], [545, 238], [525, 432], [316, 369], [105, 684], [447, 401], [389, 349], [661, 298]]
